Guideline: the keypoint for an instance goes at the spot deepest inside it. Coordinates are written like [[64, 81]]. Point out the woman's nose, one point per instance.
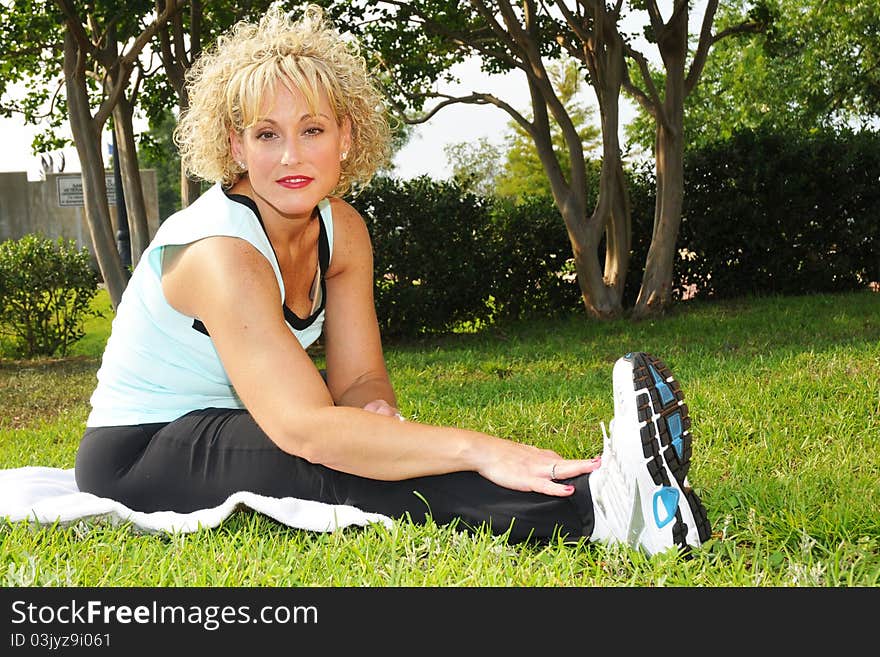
[[291, 153]]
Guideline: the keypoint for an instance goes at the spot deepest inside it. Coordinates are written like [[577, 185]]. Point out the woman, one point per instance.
[[206, 388]]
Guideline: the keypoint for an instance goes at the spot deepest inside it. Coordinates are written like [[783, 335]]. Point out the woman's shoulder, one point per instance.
[[212, 213], [348, 222], [343, 211], [351, 236], [215, 206]]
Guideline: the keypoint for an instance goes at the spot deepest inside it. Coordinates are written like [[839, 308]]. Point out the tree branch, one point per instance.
[[649, 99], [703, 45], [572, 21], [707, 40], [467, 41], [474, 98], [195, 31], [149, 32], [84, 44], [654, 15], [500, 33], [176, 24]]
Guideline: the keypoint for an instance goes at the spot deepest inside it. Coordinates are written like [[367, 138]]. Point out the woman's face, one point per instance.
[[293, 154]]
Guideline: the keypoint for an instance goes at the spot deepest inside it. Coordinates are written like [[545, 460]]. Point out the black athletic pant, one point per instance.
[[200, 459]]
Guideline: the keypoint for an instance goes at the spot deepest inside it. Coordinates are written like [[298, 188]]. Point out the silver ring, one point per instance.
[[553, 472]]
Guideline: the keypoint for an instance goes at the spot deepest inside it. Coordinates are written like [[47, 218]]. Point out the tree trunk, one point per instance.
[[177, 58], [601, 300], [132, 185], [87, 137], [612, 207], [584, 235], [603, 289], [190, 189], [656, 289]]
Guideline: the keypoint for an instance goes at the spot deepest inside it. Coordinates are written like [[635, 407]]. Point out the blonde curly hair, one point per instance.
[[228, 83]]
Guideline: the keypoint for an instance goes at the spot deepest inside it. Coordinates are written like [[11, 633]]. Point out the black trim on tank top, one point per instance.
[[290, 317]]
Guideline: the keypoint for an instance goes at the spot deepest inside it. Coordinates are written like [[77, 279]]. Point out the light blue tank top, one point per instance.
[[160, 364]]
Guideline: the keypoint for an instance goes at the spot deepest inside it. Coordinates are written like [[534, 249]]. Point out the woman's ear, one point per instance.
[[235, 146], [345, 136]]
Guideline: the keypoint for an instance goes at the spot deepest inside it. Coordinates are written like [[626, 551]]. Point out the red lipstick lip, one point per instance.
[[294, 182]]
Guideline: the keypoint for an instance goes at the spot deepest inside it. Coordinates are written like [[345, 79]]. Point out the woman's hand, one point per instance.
[[527, 468], [382, 407]]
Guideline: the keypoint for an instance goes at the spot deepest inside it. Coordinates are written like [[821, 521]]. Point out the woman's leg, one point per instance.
[[200, 459], [475, 501], [194, 462]]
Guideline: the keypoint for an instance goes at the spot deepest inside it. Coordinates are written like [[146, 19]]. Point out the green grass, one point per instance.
[[784, 394]]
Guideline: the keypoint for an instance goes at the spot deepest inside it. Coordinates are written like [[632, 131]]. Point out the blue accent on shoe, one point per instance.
[[668, 497], [666, 395], [674, 424]]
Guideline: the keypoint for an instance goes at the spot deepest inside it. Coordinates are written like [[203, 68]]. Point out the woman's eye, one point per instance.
[[265, 134], [313, 131]]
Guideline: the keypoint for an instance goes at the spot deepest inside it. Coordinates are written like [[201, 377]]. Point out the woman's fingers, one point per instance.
[[566, 469], [561, 470], [382, 407]]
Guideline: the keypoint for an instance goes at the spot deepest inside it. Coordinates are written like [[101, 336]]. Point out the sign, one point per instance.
[[70, 190]]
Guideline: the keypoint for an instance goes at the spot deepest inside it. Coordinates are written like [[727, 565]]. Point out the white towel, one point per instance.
[[48, 495]]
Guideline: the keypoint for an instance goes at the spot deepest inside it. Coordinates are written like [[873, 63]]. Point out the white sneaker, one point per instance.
[[641, 494]]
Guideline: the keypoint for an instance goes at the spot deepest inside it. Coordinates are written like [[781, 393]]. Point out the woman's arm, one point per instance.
[[356, 371], [231, 288]]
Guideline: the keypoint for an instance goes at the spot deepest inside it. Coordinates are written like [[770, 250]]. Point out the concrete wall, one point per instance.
[[53, 207]]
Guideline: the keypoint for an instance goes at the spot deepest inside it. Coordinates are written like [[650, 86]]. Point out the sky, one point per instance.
[[423, 154]]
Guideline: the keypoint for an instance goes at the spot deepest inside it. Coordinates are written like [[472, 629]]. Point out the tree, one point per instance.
[[126, 152], [681, 73], [421, 39], [475, 166], [178, 42], [90, 38], [517, 172], [96, 45], [831, 50], [522, 173], [30, 40], [817, 66], [157, 151], [98, 49]]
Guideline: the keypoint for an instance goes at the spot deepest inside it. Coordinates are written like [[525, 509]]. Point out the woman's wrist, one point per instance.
[[476, 449]]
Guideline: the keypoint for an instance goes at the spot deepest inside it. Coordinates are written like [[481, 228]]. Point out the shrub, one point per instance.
[[46, 290], [780, 213], [642, 187], [533, 265], [444, 258], [432, 254]]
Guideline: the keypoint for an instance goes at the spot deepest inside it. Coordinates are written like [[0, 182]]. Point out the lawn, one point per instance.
[[784, 394]]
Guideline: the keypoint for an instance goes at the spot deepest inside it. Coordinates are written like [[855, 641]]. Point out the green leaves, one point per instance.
[[817, 65]]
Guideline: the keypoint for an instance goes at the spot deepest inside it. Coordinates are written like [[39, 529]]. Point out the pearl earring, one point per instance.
[[343, 155]]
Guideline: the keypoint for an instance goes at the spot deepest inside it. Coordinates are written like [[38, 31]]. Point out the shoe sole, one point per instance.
[[666, 446]]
